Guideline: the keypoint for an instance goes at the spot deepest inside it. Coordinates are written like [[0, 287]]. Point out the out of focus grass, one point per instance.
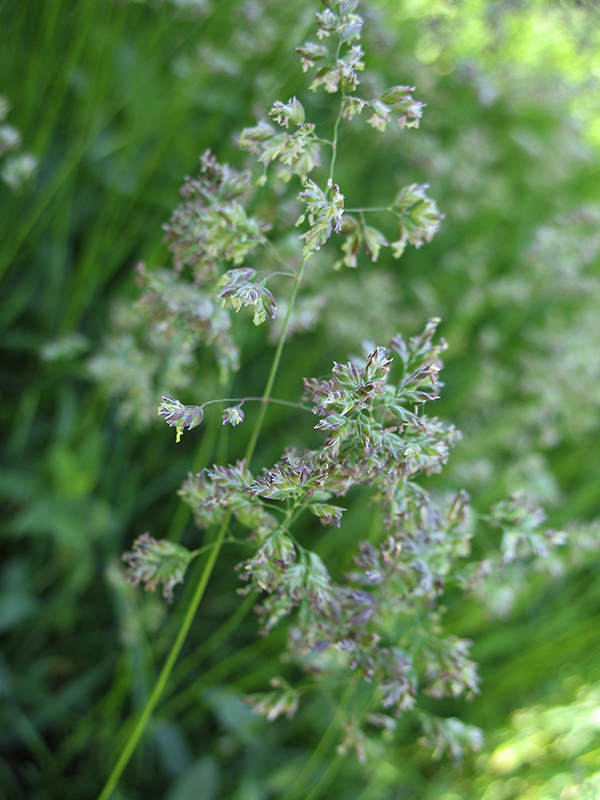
[[117, 100]]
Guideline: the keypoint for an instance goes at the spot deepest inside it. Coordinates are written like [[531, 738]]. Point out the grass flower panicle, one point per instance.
[[374, 620]]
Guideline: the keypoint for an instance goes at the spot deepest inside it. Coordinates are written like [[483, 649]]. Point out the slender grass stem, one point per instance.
[[275, 365], [334, 141], [190, 613], [31, 737], [326, 779], [210, 645], [276, 255], [366, 209], [239, 660], [165, 673], [296, 790], [274, 400], [334, 145]]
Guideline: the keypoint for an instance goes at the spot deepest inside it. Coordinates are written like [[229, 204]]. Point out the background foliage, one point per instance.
[[117, 101]]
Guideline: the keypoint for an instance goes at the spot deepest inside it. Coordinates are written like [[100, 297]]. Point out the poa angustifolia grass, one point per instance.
[[375, 628]]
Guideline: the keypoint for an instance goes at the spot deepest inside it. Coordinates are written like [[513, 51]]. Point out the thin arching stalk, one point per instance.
[[213, 554]]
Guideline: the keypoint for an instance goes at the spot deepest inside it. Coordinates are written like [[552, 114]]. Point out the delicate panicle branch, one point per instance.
[[178, 416]]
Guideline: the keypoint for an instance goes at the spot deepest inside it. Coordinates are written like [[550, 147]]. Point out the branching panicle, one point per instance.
[[213, 492], [403, 577], [153, 563], [212, 225], [522, 532], [242, 288], [380, 621], [298, 152]]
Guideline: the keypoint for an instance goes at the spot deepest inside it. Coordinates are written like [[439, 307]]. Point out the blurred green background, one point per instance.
[[116, 101]]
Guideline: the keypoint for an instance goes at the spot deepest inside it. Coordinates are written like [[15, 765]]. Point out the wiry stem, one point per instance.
[[275, 365], [297, 787], [165, 673], [334, 144], [257, 400]]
